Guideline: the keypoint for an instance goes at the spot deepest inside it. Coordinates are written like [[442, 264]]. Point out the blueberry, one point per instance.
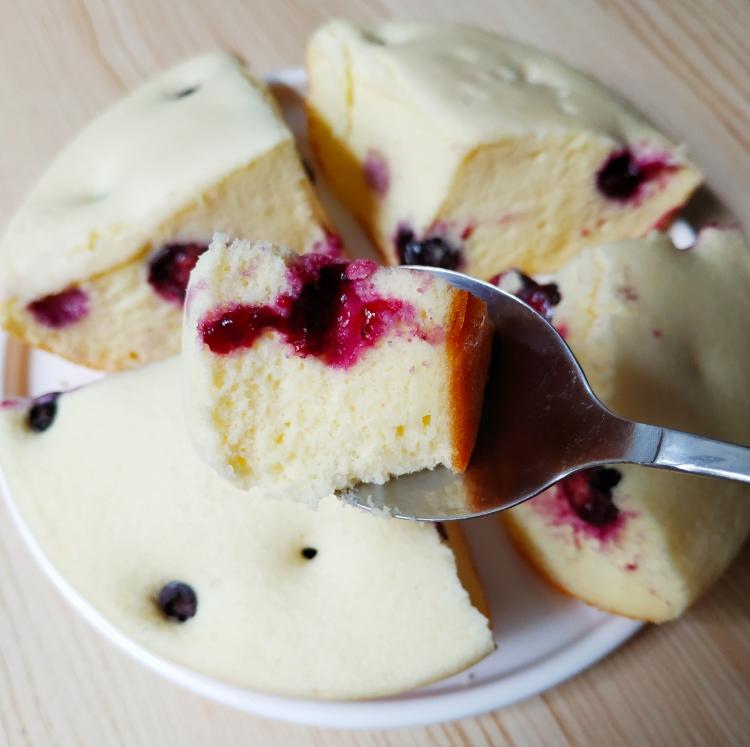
[[541, 297], [43, 411], [620, 176], [60, 310], [604, 478], [185, 92], [589, 495], [178, 601], [434, 251], [169, 269], [309, 553]]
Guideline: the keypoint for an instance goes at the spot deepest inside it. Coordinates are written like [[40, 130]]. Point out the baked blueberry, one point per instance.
[[178, 601], [43, 412]]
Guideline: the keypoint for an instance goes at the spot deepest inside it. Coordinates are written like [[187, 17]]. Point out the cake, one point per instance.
[[662, 335], [307, 374], [458, 148], [94, 264], [270, 595]]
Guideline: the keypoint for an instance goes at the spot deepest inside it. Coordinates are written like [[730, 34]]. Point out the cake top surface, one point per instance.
[[149, 155], [476, 85], [640, 311], [326, 603]]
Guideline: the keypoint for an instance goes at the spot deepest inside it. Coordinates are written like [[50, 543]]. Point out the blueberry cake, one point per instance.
[[651, 327], [457, 148], [94, 264], [308, 374], [332, 603]]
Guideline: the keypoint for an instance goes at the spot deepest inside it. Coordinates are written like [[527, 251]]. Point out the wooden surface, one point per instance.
[[685, 62]]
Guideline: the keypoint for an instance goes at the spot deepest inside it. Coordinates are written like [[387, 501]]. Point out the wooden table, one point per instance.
[[685, 62]]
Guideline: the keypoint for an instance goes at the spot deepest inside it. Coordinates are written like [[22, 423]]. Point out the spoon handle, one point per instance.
[[685, 452]]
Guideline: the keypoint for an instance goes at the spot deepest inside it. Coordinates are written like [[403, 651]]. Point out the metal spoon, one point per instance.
[[541, 422]]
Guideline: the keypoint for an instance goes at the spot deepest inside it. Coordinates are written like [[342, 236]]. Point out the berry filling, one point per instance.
[[42, 412], [589, 495], [332, 312], [376, 172], [60, 310], [541, 297], [178, 601], [169, 269], [432, 251], [623, 174]]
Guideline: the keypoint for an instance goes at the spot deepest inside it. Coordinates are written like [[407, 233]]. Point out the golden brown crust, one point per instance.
[[469, 346], [467, 572]]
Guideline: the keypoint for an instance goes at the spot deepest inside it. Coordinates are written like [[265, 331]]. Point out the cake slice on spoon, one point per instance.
[[307, 375]]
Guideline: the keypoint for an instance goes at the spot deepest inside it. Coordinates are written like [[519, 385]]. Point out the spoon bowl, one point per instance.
[[541, 422]]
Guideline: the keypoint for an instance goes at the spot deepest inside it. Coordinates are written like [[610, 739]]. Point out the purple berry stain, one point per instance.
[[376, 172], [623, 175], [60, 310], [43, 412], [169, 269], [332, 312], [177, 601], [584, 502], [589, 495], [431, 251]]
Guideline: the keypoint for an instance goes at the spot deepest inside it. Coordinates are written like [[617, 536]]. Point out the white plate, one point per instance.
[[542, 636]]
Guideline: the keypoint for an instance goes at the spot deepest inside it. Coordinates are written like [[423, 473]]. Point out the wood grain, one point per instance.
[[685, 62]]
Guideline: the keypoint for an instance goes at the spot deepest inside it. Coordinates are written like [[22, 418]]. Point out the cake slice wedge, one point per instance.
[[307, 374], [268, 595], [458, 148], [94, 264], [662, 336]]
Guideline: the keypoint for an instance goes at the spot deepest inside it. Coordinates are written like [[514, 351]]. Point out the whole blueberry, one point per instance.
[[178, 601], [43, 412]]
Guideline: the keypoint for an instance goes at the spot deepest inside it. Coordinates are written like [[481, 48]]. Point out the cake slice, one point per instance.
[[457, 148], [270, 595], [94, 264], [662, 335], [308, 374]]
